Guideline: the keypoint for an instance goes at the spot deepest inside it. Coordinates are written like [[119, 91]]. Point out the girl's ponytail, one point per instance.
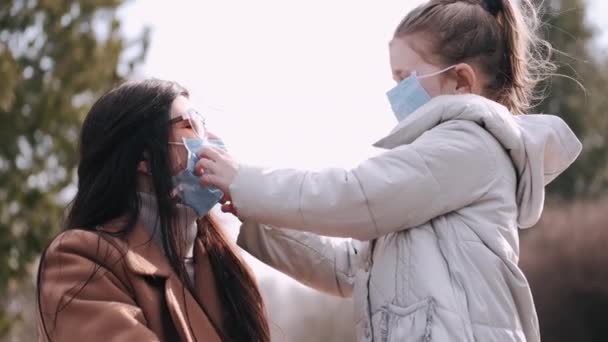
[[527, 56]]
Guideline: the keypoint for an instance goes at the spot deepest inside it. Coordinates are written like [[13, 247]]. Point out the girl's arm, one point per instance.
[[323, 263], [445, 169]]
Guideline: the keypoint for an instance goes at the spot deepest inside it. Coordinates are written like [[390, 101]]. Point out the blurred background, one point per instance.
[[285, 83]]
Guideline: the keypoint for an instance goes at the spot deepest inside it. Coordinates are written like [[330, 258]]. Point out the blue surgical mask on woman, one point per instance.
[[187, 184], [409, 94]]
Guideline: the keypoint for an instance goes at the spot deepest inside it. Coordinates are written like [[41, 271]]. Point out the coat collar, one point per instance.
[[142, 255], [444, 108], [145, 258]]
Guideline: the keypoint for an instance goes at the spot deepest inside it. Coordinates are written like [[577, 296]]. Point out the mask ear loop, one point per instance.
[[179, 158], [176, 190], [436, 72]]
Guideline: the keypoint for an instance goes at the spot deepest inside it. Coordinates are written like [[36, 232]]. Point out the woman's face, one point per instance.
[[186, 122]]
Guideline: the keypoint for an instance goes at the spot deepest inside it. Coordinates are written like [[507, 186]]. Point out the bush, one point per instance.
[[565, 260]]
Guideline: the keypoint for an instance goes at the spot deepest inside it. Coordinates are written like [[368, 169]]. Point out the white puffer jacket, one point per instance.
[[433, 220]]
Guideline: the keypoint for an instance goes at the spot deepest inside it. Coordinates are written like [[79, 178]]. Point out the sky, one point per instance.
[[284, 83], [299, 83], [288, 82]]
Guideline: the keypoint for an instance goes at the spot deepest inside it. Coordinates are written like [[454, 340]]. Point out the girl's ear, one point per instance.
[[466, 80]]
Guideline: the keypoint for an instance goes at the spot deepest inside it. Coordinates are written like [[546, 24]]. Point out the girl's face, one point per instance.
[[185, 122], [406, 57]]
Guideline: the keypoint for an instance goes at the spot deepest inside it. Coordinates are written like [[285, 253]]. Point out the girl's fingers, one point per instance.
[[204, 166], [209, 179], [226, 198], [210, 153], [229, 208]]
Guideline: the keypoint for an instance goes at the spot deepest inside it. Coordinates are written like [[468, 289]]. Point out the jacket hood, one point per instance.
[[540, 146]]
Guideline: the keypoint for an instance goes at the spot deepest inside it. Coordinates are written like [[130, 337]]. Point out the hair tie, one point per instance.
[[492, 6]]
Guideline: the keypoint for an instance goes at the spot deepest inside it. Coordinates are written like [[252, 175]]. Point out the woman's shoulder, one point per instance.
[[82, 270], [80, 256], [85, 246]]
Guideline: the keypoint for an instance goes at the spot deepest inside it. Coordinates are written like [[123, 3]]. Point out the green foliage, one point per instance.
[[584, 109], [56, 58]]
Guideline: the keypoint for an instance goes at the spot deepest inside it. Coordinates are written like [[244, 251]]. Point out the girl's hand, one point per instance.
[[217, 167]]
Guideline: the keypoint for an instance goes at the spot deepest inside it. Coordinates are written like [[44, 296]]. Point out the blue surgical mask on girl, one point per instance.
[[186, 183], [409, 95]]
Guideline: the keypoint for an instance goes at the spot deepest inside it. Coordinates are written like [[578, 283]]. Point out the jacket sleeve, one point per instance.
[[81, 300], [323, 263], [445, 169]]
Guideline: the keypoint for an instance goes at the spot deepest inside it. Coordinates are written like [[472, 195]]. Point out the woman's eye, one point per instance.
[[185, 124]]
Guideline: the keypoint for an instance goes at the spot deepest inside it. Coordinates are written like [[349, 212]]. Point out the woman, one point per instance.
[[140, 258], [437, 214]]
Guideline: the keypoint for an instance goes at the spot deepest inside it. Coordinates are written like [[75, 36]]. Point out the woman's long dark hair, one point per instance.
[[128, 121]]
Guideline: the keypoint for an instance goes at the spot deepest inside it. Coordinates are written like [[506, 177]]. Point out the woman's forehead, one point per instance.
[[180, 106]]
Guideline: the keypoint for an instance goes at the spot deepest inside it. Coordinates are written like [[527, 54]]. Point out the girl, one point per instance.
[[135, 262], [435, 218]]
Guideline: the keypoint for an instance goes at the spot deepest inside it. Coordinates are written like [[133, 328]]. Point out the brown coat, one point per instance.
[[132, 293]]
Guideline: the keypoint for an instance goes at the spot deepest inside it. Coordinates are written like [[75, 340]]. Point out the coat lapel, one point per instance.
[[191, 321], [145, 258]]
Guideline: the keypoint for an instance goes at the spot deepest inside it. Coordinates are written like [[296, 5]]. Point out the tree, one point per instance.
[[583, 109], [56, 58]]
